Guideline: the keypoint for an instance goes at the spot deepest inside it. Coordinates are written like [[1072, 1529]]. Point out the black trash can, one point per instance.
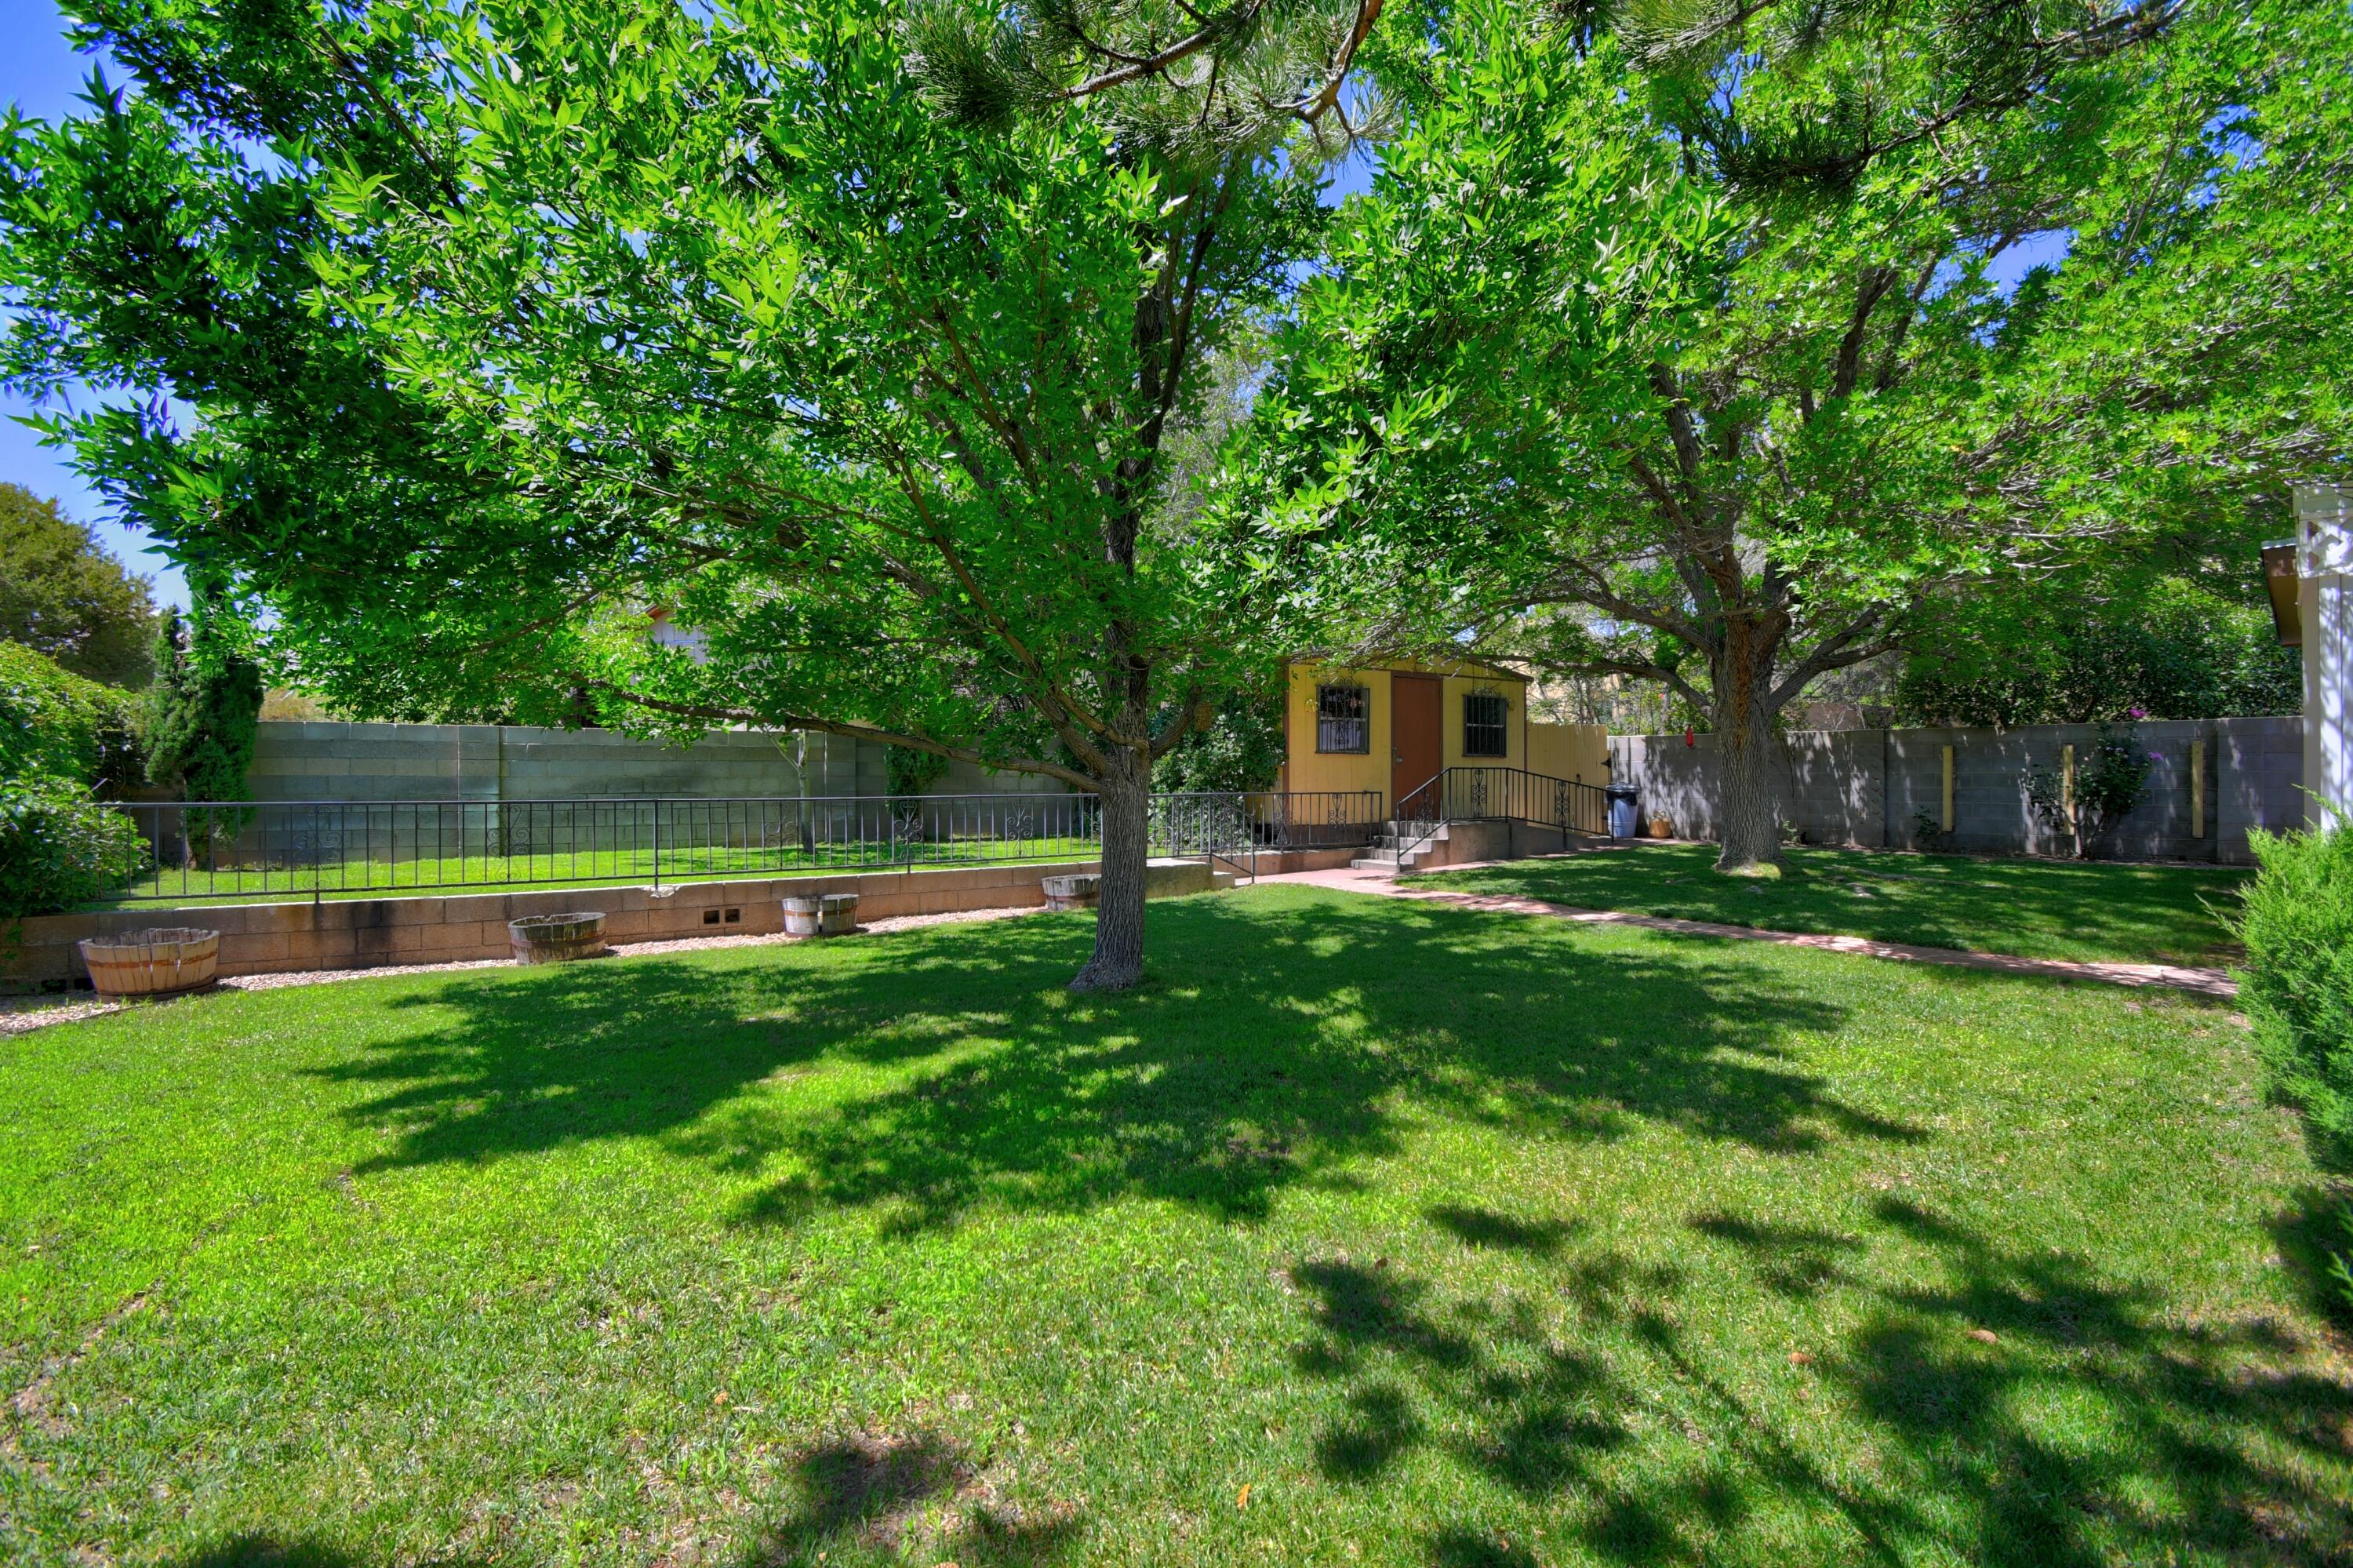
[[1622, 821]]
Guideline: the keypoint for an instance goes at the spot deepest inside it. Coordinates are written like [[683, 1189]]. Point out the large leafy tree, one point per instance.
[[61, 594], [852, 336], [1698, 333]]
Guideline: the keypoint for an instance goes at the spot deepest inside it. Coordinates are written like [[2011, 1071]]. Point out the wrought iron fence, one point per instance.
[[1512, 794], [305, 848], [1226, 823]]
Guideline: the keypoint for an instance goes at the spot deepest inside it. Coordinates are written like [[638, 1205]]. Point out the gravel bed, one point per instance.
[[19, 1014]]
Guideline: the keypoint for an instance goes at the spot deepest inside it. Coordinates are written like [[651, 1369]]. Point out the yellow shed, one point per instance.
[[1393, 725]]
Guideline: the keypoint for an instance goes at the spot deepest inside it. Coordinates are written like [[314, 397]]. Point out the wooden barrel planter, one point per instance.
[[554, 939], [166, 960], [1080, 890], [1662, 827], [822, 915]]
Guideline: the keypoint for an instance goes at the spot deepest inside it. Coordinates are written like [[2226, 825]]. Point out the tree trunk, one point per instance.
[[1747, 786], [1125, 800]]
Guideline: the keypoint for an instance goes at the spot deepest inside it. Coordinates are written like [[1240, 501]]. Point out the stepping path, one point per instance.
[[2173, 976]]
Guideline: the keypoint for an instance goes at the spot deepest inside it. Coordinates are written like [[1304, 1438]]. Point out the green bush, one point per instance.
[[913, 772], [56, 724], [202, 718], [1241, 750], [2111, 780], [59, 848], [201, 714], [2297, 989], [2297, 985]]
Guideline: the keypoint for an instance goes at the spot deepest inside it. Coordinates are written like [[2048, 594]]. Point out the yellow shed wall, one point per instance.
[[1305, 768], [1516, 721]]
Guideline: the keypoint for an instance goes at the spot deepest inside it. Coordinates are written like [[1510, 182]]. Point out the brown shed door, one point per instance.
[[1415, 709]]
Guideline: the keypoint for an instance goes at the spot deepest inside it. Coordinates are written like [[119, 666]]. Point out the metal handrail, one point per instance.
[[1423, 806], [244, 850], [1483, 794]]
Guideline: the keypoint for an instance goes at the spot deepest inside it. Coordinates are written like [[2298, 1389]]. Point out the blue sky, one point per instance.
[[41, 75]]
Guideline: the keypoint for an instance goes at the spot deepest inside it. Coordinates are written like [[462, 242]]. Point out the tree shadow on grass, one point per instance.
[[889, 1496], [2028, 906], [2315, 1232], [1487, 1228], [2018, 1410], [1279, 1041]]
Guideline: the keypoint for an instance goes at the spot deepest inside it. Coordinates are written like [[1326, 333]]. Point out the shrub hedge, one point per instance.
[[2297, 989], [2298, 986], [61, 737], [56, 724], [59, 848]]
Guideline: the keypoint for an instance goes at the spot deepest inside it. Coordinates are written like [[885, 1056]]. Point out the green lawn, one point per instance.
[[360, 877], [1370, 1232], [2034, 908]]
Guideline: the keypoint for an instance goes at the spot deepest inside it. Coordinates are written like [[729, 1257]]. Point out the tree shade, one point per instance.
[[1708, 324], [508, 323]]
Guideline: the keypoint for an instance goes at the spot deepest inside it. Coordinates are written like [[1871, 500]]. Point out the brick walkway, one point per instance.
[[2175, 977]]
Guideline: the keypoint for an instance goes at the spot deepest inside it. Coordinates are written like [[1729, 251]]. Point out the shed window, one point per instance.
[[1341, 718], [1483, 725]]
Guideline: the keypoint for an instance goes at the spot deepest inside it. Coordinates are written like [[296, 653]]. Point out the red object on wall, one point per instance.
[[1689, 738]]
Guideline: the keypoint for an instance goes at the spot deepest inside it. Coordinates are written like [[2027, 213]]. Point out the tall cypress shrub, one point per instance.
[[202, 715]]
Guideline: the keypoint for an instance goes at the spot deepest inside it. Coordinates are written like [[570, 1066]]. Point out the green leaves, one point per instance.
[[1722, 336], [541, 314]]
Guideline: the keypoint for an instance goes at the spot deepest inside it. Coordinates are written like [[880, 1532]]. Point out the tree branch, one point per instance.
[[1314, 109], [1848, 367], [1836, 651], [1641, 670], [1184, 48]]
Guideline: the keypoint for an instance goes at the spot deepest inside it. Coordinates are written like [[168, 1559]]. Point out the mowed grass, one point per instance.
[[2033, 908], [362, 877], [1369, 1232]]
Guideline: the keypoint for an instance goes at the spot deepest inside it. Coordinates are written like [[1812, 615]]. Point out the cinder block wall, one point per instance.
[[311, 760], [969, 779], [494, 768], [1883, 788]]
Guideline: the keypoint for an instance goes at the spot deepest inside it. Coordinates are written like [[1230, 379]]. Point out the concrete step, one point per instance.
[[1221, 881]]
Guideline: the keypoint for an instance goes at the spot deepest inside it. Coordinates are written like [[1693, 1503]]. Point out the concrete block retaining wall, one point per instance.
[[1463, 843], [1883, 788], [269, 939]]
